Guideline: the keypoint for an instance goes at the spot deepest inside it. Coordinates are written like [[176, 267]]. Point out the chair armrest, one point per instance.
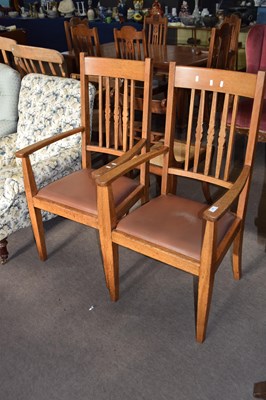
[[45, 142], [122, 169], [119, 160], [221, 206]]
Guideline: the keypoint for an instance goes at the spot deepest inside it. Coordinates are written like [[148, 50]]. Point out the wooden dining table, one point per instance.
[[162, 55]]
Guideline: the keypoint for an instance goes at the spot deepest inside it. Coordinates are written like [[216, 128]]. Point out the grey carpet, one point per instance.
[[62, 339]]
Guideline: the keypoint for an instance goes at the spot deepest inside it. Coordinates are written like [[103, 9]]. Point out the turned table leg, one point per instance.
[[3, 251]]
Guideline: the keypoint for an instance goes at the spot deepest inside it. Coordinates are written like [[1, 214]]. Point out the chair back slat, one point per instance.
[[211, 135], [221, 139], [132, 113], [108, 112], [230, 144], [117, 113], [199, 130]]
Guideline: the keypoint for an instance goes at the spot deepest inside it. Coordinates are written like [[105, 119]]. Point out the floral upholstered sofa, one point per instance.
[[47, 106]]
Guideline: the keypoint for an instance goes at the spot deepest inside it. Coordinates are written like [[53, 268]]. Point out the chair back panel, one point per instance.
[[156, 27], [219, 47], [130, 43], [67, 25], [29, 59], [235, 22], [226, 88], [85, 40], [117, 84]]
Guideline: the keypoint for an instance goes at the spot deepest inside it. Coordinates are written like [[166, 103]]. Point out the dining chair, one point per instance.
[[6, 45], [130, 43], [156, 27], [67, 25], [85, 40], [183, 231], [30, 59], [235, 22], [219, 47], [74, 196]]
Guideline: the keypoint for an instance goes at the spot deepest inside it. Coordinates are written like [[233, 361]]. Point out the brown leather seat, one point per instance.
[[79, 191]]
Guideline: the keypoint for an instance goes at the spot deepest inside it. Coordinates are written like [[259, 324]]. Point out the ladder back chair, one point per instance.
[[29, 59], [130, 43], [219, 48], [67, 26], [74, 196], [184, 232], [85, 40], [72, 65], [235, 22], [156, 27]]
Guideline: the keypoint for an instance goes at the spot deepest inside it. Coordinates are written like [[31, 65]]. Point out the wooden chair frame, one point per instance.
[[157, 228], [117, 140]]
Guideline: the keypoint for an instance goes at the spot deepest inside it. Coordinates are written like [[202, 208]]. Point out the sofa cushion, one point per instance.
[[9, 92], [48, 105]]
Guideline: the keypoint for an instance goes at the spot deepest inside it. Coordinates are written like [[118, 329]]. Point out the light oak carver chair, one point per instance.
[[74, 196], [180, 231]]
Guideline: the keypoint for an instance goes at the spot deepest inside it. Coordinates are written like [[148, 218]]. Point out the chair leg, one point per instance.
[[237, 255], [111, 269], [205, 289], [3, 251], [206, 281], [38, 231]]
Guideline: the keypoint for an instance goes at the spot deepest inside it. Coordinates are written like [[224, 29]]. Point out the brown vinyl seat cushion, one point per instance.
[[172, 222], [78, 190]]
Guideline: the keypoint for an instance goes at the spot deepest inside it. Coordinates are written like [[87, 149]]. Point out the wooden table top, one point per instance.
[[162, 55]]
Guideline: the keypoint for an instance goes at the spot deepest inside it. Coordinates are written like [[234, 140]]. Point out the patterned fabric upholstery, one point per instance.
[[47, 106], [9, 91]]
